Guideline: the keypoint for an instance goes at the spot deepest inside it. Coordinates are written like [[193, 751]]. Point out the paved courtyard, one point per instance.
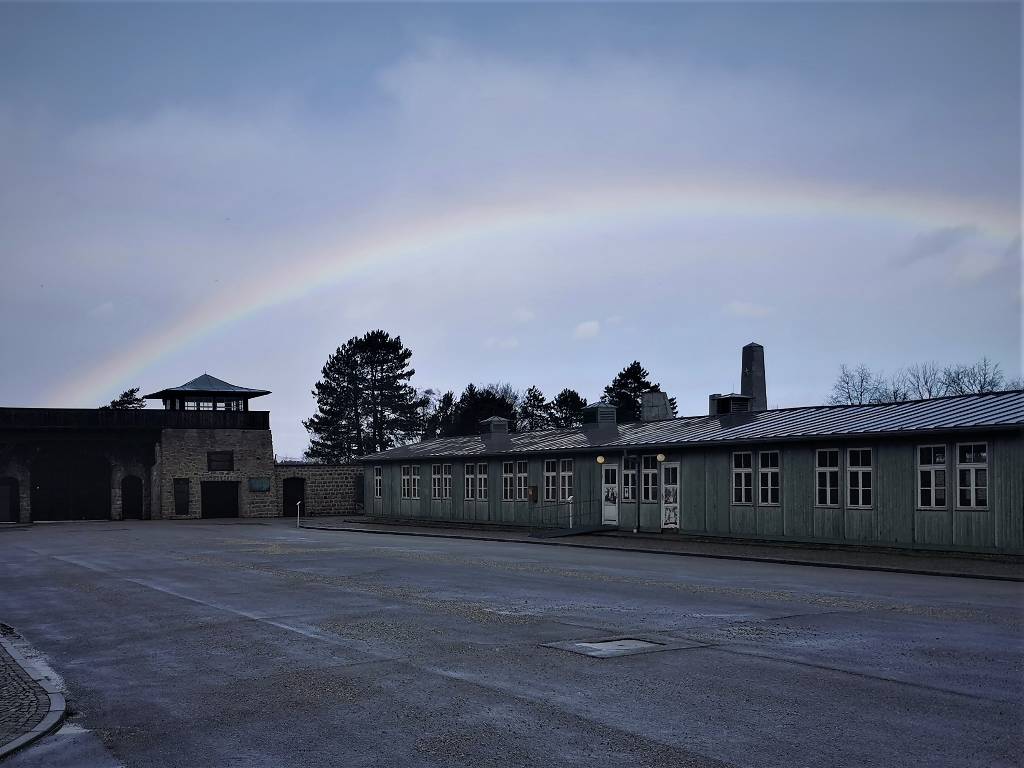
[[255, 644]]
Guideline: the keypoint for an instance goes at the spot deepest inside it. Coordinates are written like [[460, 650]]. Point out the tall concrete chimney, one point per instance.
[[752, 383]]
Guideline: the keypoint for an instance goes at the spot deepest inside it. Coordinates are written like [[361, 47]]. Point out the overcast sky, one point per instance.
[[531, 194]]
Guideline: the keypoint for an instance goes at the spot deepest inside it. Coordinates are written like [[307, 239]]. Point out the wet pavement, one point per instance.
[[255, 644]]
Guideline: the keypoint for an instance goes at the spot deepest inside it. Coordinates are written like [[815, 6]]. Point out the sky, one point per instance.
[[535, 194]]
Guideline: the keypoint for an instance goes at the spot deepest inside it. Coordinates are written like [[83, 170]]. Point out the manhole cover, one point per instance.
[[607, 648]]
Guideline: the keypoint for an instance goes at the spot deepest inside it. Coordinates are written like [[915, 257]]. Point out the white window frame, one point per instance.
[[630, 466], [742, 478], [378, 482], [649, 473], [415, 481], [821, 471], [861, 472], [508, 481], [470, 484], [522, 480], [931, 470], [446, 481], [972, 468], [406, 481], [550, 479], [481, 482], [769, 479], [566, 479], [436, 485]]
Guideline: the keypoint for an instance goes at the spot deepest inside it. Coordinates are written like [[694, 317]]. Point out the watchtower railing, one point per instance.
[[142, 418]]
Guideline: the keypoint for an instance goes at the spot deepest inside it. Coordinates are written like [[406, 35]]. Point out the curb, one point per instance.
[[52, 719], [711, 556]]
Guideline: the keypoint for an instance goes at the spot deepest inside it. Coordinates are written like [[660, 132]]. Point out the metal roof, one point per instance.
[[997, 410], [207, 385]]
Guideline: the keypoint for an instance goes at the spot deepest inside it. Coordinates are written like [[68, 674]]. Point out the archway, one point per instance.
[[70, 484], [9, 500], [131, 498]]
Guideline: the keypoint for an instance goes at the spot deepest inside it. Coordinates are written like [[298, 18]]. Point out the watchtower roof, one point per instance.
[[208, 385]]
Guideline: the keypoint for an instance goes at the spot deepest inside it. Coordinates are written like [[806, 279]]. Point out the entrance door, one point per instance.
[[8, 500], [70, 484], [294, 492], [219, 498], [670, 494], [610, 494], [131, 498]]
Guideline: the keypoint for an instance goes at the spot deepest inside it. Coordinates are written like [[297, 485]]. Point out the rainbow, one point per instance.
[[553, 211]]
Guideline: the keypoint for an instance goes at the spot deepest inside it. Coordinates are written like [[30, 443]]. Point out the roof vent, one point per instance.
[[600, 415], [719, 405], [495, 425]]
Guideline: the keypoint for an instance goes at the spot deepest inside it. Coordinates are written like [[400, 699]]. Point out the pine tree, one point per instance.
[[627, 389], [365, 402], [336, 429], [567, 409], [440, 417], [393, 404], [128, 400], [534, 411], [479, 403]]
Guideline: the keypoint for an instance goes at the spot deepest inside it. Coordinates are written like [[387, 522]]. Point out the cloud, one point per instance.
[[588, 329], [937, 242], [962, 253], [106, 309], [747, 309], [507, 342], [523, 315]]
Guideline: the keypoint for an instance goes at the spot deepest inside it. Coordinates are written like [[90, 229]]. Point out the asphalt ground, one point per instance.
[[255, 644]]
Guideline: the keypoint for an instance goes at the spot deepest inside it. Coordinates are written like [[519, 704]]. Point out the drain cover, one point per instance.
[[607, 648]]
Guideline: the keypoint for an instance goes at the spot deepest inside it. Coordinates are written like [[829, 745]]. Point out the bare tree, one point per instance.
[[855, 386], [983, 376], [924, 381], [892, 389], [919, 381]]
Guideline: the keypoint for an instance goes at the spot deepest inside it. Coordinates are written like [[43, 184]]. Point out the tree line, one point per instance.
[[365, 402], [860, 385]]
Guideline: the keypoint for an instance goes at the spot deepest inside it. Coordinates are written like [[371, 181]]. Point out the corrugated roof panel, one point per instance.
[[997, 409]]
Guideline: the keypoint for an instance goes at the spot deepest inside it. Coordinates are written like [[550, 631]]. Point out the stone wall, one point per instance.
[[182, 453], [330, 489]]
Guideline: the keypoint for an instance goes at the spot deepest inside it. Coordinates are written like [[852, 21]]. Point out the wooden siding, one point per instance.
[[706, 507]]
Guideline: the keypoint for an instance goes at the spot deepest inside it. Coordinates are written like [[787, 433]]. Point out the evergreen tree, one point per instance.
[[567, 409], [393, 403], [534, 411], [440, 417], [478, 403], [365, 402], [128, 400], [336, 429], [627, 389]]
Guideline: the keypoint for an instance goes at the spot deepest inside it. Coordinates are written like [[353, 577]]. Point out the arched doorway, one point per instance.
[[294, 492], [70, 484], [9, 500], [131, 498]]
